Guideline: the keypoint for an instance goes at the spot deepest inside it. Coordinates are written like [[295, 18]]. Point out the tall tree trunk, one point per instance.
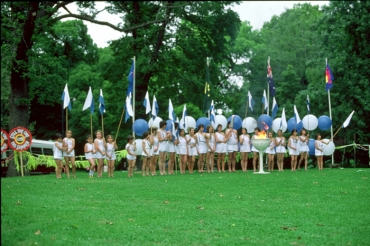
[[18, 99]]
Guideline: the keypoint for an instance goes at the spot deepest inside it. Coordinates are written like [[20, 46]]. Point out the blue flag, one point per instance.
[[272, 87], [274, 108], [308, 104], [65, 98]]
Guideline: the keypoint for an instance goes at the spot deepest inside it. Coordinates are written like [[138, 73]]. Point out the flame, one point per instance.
[[262, 134]]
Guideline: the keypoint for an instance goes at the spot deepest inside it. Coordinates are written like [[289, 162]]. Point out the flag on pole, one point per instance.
[[250, 101], [308, 104], [274, 108], [155, 108], [89, 102], [101, 103], [207, 90], [66, 99], [329, 77], [296, 115], [171, 111], [212, 114], [346, 123], [283, 120], [147, 103], [131, 75], [264, 100], [128, 106], [184, 113], [270, 79]]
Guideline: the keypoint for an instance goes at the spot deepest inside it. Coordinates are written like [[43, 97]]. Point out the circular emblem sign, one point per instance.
[[20, 139], [4, 140]]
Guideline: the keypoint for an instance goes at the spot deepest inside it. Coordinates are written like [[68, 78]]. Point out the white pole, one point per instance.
[[331, 127], [133, 99]]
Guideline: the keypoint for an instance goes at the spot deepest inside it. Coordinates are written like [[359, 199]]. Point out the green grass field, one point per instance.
[[329, 207]]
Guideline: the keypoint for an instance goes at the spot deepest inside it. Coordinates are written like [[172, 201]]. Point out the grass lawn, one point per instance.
[[329, 207]]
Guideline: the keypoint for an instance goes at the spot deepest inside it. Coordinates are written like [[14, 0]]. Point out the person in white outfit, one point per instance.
[[90, 154], [58, 155], [245, 148], [192, 150], [270, 151], [131, 156], [69, 153], [280, 144], [221, 148], [111, 155], [232, 146], [293, 149], [146, 146], [254, 150], [303, 148], [154, 150], [200, 139], [100, 148], [319, 150], [211, 144], [183, 150]]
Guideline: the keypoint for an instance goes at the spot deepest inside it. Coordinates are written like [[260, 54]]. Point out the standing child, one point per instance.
[[192, 151], [89, 154], [99, 145], [319, 148], [131, 156], [154, 150], [303, 147], [183, 150], [58, 154], [211, 143], [221, 148], [293, 149], [270, 151], [163, 137], [254, 150], [280, 150], [146, 146], [245, 148], [69, 153], [201, 147], [111, 155], [231, 136]]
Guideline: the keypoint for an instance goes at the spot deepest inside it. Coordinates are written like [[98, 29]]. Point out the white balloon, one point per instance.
[[276, 125], [189, 122], [220, 119], [328, 148], [249, 123], [139, 147], [155, 123], [310, 122]]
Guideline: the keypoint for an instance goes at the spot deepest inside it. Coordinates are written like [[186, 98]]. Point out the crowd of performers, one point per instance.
[[158, 143]]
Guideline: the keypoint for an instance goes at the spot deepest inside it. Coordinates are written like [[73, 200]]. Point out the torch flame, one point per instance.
[[261, 135]]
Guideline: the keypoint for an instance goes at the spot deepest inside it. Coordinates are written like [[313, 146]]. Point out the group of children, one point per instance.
[[98, 150], [158, 143]]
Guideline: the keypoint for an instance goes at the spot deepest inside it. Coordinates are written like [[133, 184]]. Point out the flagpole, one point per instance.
[[119, 125], [66, 121], [102, 125], [331, 127], [133, 98], [246, 111], [91, 126]]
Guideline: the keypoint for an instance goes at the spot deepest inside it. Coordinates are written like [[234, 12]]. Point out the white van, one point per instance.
[[42, 147]]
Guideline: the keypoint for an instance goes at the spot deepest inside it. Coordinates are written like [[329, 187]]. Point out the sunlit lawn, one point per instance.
[[329, 207]]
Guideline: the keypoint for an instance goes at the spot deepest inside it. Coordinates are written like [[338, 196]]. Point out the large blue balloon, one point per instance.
[[292, 124], [324, 123], [237, 122], [311, 146], [169, 125], [264, 121], [140, 126], [205, 121]]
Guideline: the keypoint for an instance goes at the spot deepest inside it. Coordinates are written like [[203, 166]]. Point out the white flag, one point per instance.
[[89, 102], [346, 123], [296, 115], [147, 103]]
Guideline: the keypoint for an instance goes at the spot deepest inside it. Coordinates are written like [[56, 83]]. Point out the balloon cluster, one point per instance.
[[264, 122]]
